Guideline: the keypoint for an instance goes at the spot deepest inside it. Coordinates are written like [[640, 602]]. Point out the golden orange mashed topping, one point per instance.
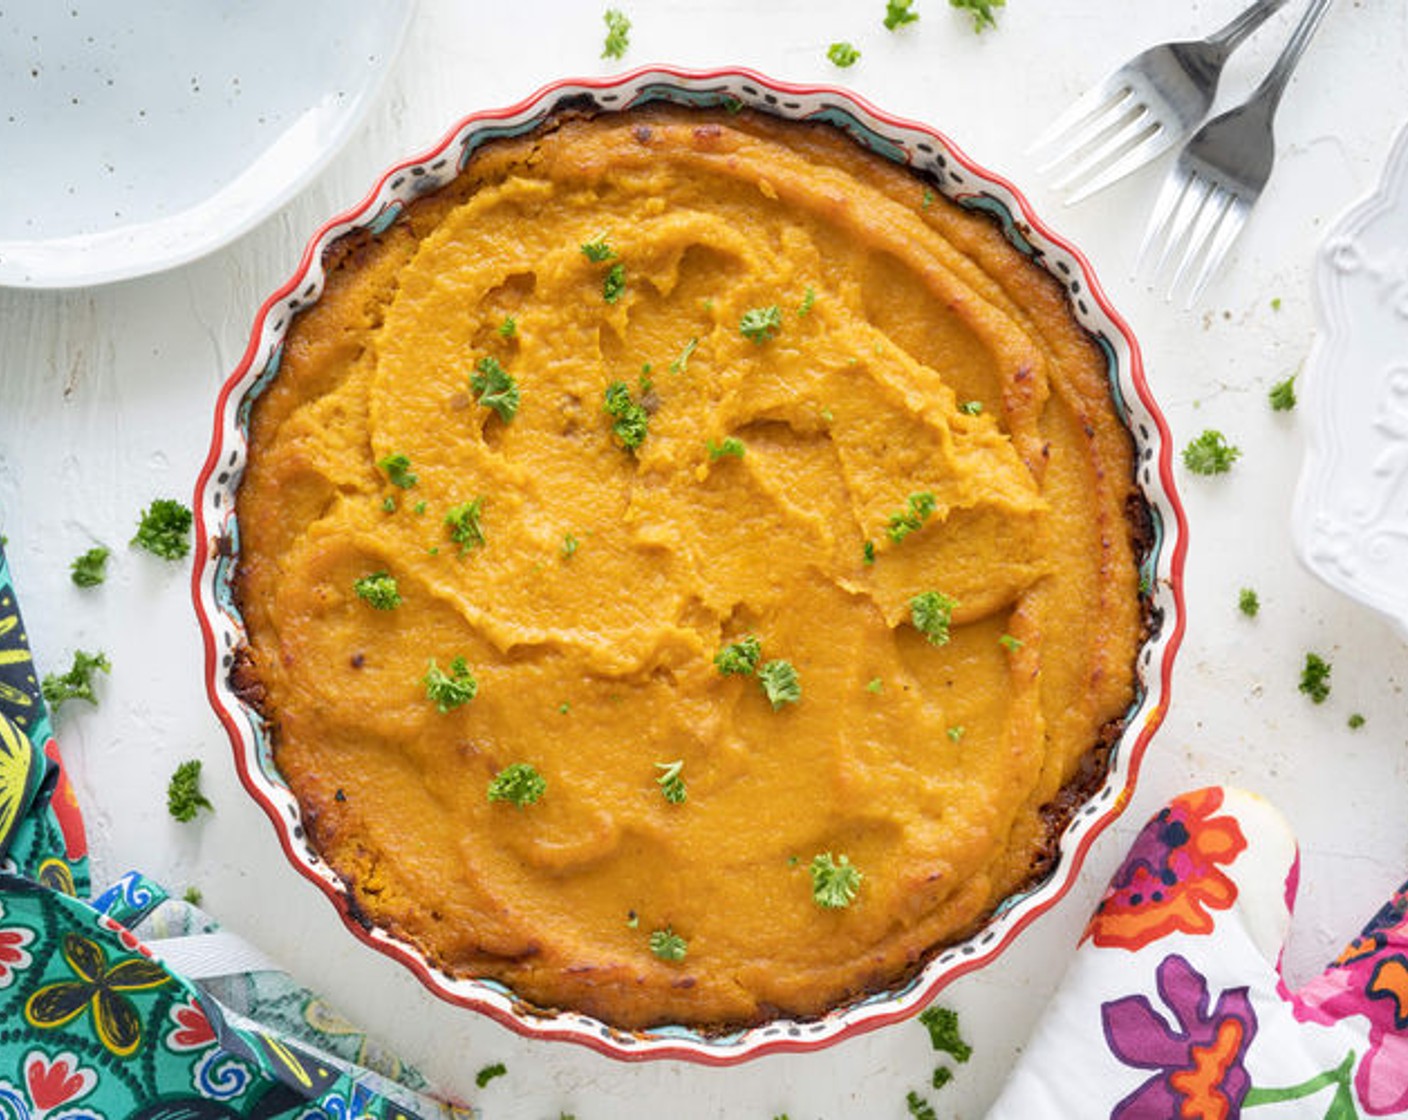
[[912, 409]]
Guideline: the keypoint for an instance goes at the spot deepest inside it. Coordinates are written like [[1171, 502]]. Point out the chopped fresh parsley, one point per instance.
[[918, 1107], [569, 546], [1276, 303], [380, 590], [834, 881], [1355, 721], [971, 408], [779, 681], [388, 504], [618, 33], [944, 1036], [668, 945], [1009, 643], [90, 569], [509, 327], [1248, 602], [164, 529], [981, 11], [867, 552], [398, 470], [519, 783], [183, 796], [942, 1076], [808, 301], [842, 54], [77, 683], [463, 523], [740, 657], [613, 285], [680, 364], [875, 685], [909, 520], [1315, 678], [760, 323], [632, 920], [1283, 395], [193, 896], [928, 199], [731, 446], [932, 613], [420, 507], [671, 784], [898, 13], [956, 733], [450, 690], [495, 388], [488, 1073], [598, 250], [1210, 453], [632, 421]]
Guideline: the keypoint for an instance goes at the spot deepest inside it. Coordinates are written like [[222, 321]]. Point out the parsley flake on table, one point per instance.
[[1210, 453], [1315, 678], [779, 681], [919, 1108], [898, 13], [77, 683], [834, 881], [450, 690], [463, 523], [164, 529], [398, 470], [183, 796], [670, 782], [981, 10], [668, 945], [632, 421], [944, 1036], [1248, 602], [613, 285], [740, 657], [842, 55], [731, 446], [759, 324], [1282, 396], [618, 33], [495, 388], [911, 519], [942, 1076], [680, 364], [193, 895], [488, 1073], [598, 251], [932, 613], [90, 569], [519, 783], [380, 590], [1355, 721]]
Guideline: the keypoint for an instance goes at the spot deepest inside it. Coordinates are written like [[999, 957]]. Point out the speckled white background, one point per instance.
[[106, 401]]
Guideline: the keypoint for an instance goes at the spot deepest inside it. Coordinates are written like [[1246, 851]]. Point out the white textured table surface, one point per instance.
[[106, 401]]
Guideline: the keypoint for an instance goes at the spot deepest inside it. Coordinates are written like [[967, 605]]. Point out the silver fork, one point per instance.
[[1143, 108], [1209, 194]]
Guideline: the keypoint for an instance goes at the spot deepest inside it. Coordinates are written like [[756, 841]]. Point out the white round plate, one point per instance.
[[141, 135], [1350, 519]]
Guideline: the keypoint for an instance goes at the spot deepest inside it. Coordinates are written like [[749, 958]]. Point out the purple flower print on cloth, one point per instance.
[[1198, 1058], [1370, 978]]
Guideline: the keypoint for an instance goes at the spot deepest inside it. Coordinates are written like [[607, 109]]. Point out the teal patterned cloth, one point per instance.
[[93, 1026]]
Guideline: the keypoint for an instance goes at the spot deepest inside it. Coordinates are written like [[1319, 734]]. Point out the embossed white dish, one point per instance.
[[1350, 518], [141, 135]]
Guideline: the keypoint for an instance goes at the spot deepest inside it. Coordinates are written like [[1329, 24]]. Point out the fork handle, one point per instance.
[[1274, 84], [1229, 38]]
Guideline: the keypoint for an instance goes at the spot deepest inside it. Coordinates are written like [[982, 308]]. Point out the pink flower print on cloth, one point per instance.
[[1369, 980], [1198, 1058]]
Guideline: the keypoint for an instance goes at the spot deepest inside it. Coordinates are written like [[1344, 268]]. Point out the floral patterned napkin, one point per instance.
[[92, 1023], [1175, 1007]]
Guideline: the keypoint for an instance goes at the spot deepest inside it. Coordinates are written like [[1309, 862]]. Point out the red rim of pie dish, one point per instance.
[[1166, 578]]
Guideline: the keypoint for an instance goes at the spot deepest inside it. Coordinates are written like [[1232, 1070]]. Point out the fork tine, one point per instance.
[[1175, 183], [1234, 218], [1157, 140], [1123, 133], [1089, 129], [1097, 99], [1191, 198], [1210, 214]]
